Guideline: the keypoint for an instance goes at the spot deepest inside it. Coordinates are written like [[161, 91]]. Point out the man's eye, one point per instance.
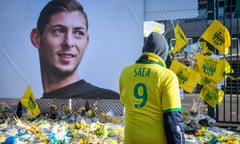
[[58, 31], [80, 33]]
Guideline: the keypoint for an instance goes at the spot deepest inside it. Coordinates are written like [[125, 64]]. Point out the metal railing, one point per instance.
[[229, 110]]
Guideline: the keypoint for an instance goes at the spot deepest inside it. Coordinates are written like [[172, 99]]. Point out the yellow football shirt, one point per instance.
[[146, 91]]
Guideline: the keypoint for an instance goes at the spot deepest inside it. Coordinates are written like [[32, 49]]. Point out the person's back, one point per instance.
[[148, 83], [150, 94]]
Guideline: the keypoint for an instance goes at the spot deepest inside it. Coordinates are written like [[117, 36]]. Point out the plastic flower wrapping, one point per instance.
[[62, 125], [201, 129]]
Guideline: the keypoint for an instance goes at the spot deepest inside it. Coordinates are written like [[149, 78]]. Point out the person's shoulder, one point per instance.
[[167, 72]]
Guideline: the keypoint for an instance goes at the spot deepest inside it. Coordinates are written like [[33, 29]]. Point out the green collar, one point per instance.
[[151, 58]]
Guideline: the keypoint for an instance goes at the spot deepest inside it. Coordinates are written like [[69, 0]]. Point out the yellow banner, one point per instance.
[[211, 95], [204, 48], [218, 36], [206, 81], [211, 67], [181, 39], [29, 102], [187, 77]]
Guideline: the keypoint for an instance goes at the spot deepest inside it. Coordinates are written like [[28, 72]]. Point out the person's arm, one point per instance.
[[173, 121], [174, 127]]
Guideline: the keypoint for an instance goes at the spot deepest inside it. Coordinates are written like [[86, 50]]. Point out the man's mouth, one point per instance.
[[66, 55]]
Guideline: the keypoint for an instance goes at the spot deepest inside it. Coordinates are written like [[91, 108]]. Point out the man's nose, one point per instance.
[[69, 40]]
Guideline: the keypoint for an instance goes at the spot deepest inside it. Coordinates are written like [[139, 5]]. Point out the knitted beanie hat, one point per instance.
[[156, 43]]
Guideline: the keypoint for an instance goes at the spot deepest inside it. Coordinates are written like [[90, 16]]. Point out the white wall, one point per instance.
[[116, 39]]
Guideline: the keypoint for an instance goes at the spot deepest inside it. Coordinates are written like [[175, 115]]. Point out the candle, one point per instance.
[[70, 103]]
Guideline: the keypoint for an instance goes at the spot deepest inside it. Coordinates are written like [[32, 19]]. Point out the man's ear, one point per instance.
[[35, 37]]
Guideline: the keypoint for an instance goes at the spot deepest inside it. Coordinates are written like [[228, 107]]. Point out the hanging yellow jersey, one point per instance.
[[187, 77], [28, 100], [218, 36]]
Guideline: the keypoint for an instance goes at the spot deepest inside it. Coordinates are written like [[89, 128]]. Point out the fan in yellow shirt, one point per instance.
[[150, 94]]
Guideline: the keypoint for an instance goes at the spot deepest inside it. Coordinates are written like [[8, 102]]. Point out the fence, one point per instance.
[[229, 110], [226, 11]]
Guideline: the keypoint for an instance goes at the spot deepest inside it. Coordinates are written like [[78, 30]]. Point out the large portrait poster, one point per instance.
[[116, 39]]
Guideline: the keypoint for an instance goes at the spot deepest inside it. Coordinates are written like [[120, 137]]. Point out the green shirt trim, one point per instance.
[[174, 110]]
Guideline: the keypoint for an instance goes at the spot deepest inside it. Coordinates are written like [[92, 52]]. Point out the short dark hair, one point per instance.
[[56, 6]]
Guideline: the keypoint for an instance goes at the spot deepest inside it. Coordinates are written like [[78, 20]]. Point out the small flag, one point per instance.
[[207, 81], [204, 48], [218, 36], [212, 95], [187, 77], [29, 102], [181, 39], [212, 68]]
